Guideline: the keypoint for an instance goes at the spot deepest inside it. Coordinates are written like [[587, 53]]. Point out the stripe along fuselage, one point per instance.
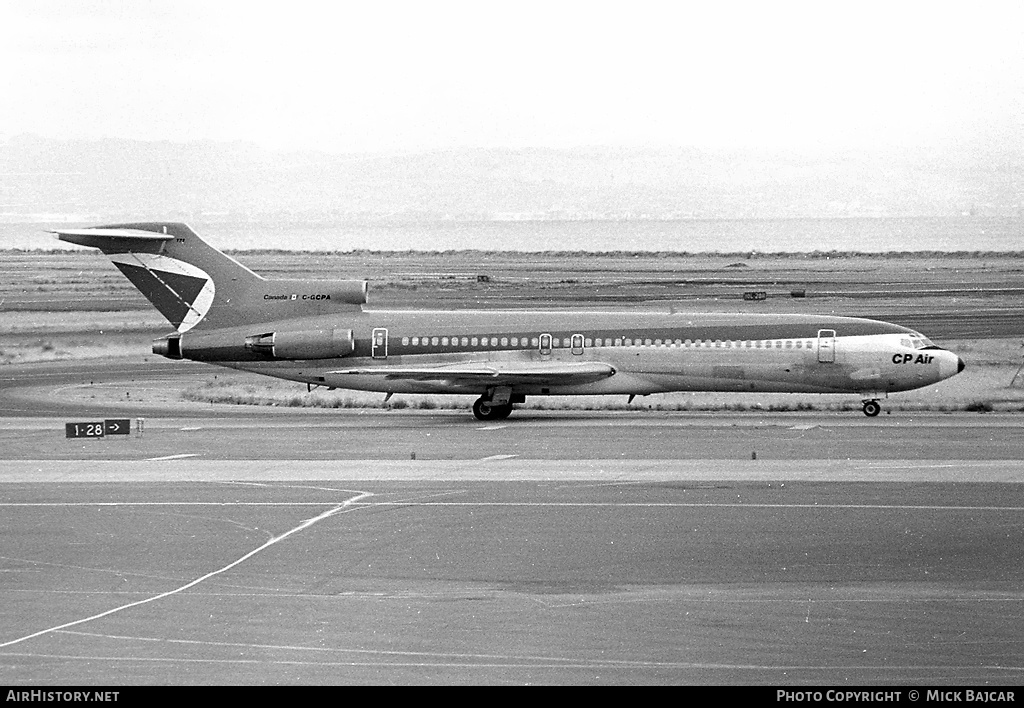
[[319, 333]]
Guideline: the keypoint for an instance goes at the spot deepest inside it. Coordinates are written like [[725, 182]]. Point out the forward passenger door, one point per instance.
[[826, 346], [379, 343]]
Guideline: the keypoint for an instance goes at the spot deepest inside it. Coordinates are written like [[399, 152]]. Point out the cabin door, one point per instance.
[[577, 344], [379, 343], [826, 346], [545, 344]]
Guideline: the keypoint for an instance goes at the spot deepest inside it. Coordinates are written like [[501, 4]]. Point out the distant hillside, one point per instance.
[[109, 179]]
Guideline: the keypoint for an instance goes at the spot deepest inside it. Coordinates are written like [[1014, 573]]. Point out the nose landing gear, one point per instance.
[[872, 408]]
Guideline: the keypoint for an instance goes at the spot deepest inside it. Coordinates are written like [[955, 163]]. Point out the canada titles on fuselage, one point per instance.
[[296, 296]]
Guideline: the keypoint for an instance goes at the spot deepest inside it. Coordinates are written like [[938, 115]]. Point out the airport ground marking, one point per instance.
[[347, 505], [513, 663], [498, 594], [182, 456], [725, 505], [610, 505], [512, 658], [373, 652], [279, 485]]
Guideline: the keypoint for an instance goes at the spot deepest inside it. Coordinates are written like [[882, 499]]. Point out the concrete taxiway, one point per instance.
[[310, 547]]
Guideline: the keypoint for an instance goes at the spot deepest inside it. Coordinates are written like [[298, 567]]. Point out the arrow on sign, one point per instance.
[[117, 426]]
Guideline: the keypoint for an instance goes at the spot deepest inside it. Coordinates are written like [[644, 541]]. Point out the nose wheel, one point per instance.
[[485, 410], [872, 408]]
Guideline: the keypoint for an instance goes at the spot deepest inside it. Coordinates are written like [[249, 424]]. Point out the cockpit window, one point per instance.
[[919, 341]]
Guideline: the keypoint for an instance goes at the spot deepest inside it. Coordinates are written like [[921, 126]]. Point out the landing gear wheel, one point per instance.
[[871, 408], [485, 410], [502, 412]]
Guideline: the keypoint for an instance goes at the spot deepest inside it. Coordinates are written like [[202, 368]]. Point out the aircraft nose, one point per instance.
[[950, 365]]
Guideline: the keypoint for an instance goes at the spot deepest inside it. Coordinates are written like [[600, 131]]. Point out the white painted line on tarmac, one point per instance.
[[171, 457], [513, 504], [496, 457], [347, 505], [493, 427]]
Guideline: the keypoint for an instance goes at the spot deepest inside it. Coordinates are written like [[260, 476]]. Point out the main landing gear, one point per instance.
[[872, 408], [486, 410], [496, 404]]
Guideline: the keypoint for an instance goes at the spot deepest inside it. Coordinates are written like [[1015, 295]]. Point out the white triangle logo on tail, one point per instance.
[[180, 290]]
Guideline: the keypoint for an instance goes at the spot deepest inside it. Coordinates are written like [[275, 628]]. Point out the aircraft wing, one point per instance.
[[494, 373]]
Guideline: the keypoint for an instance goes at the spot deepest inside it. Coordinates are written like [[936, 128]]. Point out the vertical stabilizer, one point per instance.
[[191, 283], [184, 277]]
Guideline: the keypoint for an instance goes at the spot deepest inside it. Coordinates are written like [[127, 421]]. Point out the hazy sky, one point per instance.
[[380, 76]]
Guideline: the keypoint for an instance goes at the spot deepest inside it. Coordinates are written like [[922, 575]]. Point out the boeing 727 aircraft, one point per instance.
[[317, 332]]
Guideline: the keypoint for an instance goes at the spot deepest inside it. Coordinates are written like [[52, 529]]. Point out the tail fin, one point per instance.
[[190, 281]]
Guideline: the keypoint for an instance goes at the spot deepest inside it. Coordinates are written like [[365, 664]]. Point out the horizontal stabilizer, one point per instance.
[[493, 373], [107, 239]]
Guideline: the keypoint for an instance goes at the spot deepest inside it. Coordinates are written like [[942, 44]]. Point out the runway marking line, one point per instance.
[[172, 457], [512, 658], [610, 505], [493, 458], [513, 663], [347, 505]]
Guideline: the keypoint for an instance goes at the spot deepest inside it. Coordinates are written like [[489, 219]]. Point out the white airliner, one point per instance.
[[318, 332]]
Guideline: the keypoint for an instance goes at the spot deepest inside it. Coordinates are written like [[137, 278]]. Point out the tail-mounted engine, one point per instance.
[[235, 345], [312, 344]]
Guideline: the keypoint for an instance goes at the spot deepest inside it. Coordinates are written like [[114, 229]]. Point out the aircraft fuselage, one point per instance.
[[649, 352]]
